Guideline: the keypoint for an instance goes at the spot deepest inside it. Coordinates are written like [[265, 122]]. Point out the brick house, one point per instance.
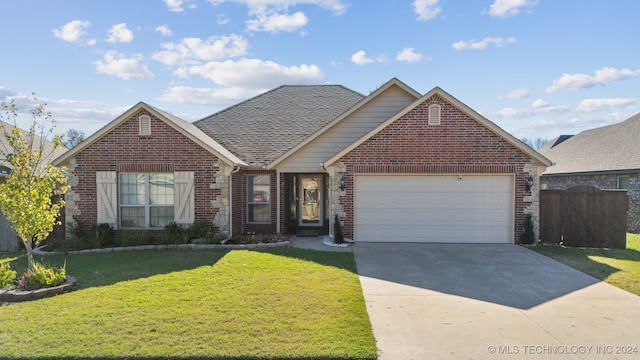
[[394, 166], [607, 157]]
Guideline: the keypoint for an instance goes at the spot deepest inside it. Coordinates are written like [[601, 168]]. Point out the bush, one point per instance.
[[201, 230], [41, 276], [528, 235], [100, 235], [175, 234], [133, 238], [7, 276]]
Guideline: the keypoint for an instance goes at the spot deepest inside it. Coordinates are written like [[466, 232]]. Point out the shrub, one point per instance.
[[42, 275], [133, 238], [338, 237], [528, 235], [201, 230], [100, 235], [175, 234], [7, 276]]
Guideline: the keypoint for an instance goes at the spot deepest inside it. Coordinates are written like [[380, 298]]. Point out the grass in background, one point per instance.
[[620, 268]]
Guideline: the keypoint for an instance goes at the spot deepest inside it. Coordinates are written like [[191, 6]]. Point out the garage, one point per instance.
[[434, 208]]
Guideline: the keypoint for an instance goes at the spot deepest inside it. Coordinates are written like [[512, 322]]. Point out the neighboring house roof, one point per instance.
[[50, 151], [263, 128], [462, 107], [183, 127], [612, 148]]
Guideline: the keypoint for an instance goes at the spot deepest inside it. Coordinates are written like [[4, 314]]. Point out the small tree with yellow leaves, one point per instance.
[[31, 181]]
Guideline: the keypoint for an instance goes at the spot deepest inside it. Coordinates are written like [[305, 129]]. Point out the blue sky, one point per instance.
[[537, 68]]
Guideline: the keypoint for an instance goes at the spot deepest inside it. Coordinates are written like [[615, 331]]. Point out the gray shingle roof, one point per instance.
[[609, 148], [261, 129]]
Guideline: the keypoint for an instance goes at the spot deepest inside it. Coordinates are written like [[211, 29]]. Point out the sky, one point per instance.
[[536, 68]]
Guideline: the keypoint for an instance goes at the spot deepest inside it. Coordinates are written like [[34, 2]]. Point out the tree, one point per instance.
[[26, 194], [72, 138], [535, 144]]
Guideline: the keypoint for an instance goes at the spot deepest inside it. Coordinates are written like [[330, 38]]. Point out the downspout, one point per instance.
[[330, 195], [234, 171], [278, 202]]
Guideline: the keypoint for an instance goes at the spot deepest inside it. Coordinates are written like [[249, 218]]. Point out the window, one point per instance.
[[144, 125], [258, 199], [623, 182], [146, 200], [434, 114]]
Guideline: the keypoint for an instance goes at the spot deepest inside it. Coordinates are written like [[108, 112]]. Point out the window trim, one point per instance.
[[250, 198], [434, 115], [628, 181], [147, 201], [144, 125]]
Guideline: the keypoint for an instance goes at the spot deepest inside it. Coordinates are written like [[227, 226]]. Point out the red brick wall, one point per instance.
[[165, 150], [458, 145]]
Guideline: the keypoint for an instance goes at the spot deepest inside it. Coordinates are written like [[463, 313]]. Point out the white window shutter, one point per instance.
[[107, 195], [184, 204]]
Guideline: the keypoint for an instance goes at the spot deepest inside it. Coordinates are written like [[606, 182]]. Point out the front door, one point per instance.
[[310, 200]]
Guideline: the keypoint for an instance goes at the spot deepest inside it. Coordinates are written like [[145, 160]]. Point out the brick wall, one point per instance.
[[458, 145], [603, 182], [123, 150]]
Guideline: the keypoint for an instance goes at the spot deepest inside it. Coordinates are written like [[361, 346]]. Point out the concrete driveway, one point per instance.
[[463, 301]]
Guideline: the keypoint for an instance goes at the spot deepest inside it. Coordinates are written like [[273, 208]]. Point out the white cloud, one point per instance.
[[426, 9], [539, 104], [222, 19], [482, 44], [517, 94], [119, 34], [164, 30], [254, 73], [72, 31], [592, 105], [603, 76], [360, 58], [507, 8], [277, 22], [268, 6], [409, 55], [179, 5], [538, 107], [117, 64], [193, 50], [207, 96]]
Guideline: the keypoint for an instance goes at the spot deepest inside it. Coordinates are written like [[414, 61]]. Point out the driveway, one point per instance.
[[464, 301]]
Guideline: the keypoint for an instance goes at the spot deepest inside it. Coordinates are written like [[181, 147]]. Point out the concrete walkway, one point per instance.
[[445, 301], [316, 243]]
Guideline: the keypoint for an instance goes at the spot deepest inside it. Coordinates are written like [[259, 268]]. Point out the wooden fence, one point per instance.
[[584, 216]]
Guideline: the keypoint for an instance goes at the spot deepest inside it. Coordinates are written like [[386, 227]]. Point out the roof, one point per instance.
[[182, 126], [265, 127], [5, 148], [464, 108], [353, 109], [612, 148]]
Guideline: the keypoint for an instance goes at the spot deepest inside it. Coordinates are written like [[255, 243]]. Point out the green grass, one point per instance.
[[619, 268], [282, 303]]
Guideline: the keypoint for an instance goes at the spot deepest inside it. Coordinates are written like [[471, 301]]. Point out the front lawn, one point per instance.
[[282, 303], [619, 268]]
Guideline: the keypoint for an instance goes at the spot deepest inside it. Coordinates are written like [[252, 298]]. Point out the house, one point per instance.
[[9, 241], [607, 158], [394, 165]]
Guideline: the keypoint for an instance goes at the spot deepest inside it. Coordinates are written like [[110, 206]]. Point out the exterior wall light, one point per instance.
[[342, 183], [529, 184]]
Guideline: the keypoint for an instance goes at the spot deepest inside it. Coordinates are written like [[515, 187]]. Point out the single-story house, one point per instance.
[[607, 157], [394, 165], [9, 241]]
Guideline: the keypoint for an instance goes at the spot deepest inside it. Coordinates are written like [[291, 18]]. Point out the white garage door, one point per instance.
[[441, 209]]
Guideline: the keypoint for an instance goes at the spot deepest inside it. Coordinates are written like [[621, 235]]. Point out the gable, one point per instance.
[[263, 128], [159, 118], [337, 136], [461, 131]]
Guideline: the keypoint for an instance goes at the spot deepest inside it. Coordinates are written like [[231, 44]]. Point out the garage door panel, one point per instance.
[[476, 208]]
